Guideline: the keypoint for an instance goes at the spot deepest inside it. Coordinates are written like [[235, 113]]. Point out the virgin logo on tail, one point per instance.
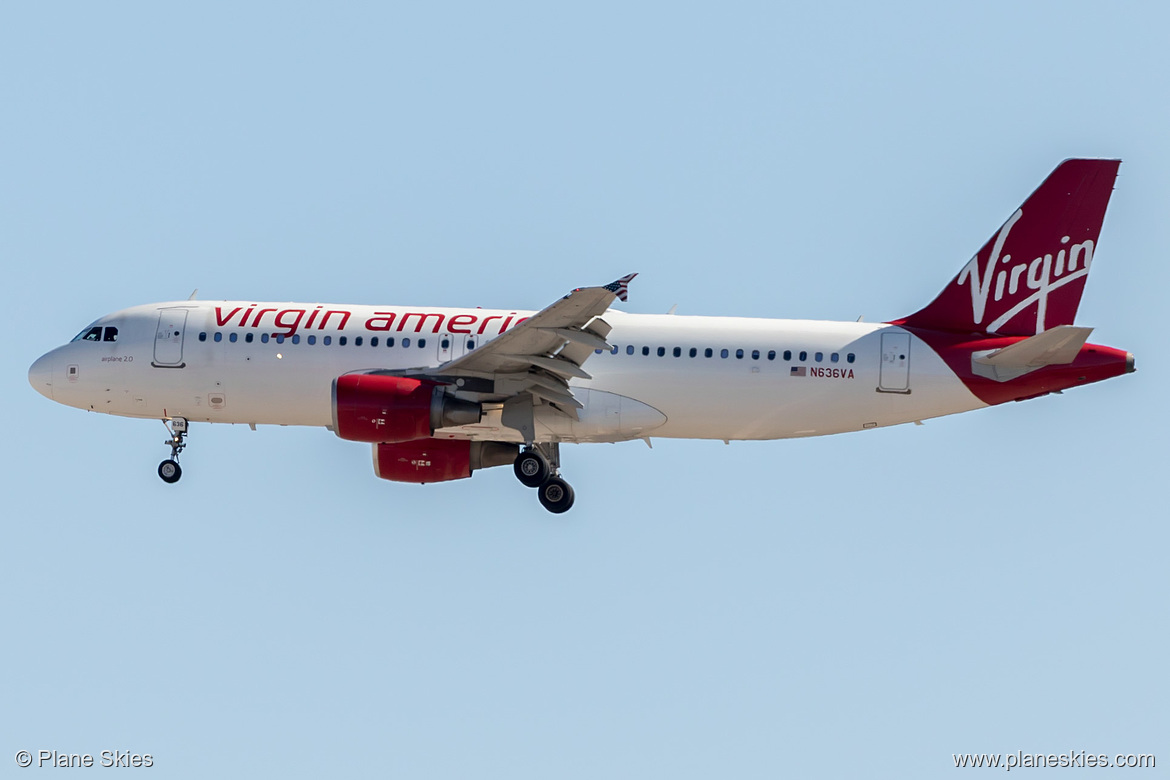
[[1030, 275], [1041, 275]]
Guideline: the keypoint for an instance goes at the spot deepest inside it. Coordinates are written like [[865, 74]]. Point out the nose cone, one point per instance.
[[40, 376]]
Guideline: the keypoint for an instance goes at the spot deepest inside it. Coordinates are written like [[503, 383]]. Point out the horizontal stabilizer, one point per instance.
[[1056, 346]]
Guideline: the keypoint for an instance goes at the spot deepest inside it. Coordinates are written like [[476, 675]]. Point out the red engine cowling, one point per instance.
[[439, 460], [375, 408]]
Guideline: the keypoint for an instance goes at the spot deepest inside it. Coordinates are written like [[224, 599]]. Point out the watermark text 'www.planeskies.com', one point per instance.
[[1071, 759]]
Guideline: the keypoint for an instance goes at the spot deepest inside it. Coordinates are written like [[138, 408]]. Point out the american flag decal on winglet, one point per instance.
[[621, 287], [798, 371]]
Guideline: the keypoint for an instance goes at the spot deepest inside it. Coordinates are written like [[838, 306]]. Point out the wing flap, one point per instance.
[[554, 364], [564, 399], [581, 337]]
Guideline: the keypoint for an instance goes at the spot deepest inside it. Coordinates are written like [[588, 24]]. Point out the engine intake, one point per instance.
[[439, 460], [375, 408]]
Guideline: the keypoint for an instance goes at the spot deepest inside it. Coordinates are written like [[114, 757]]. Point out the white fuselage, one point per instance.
[[221, 362]]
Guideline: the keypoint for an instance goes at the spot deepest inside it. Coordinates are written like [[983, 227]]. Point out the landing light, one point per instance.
[[279, 356]]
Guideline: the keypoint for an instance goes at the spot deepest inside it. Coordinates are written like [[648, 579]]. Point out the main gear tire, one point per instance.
[[531, 468], [556, 495]]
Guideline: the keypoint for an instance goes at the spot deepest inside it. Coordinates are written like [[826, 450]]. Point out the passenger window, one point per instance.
[[357, 342], [819, 356], [248, 337], [232, 337], [422, 343], [111, 334], [373, 341], [470, 344], [771, 354], [739, 354], [677, 351], [755, 354], [312, 340], [264, 338], [849, 357], [390, 341], [597, 352], [788, 354], [630, 350], [341, 340], [661, 351], [279, 338], [203, 337], [406, 342], [645, 351], [723, 353], [803, 356], [614, 351], [446, 344], [327, 340], [218, 337], [708, 352], [834, 357], [296, 338], [694, 352]]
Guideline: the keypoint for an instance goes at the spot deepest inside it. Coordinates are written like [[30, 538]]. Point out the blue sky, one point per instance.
[[861, 605]]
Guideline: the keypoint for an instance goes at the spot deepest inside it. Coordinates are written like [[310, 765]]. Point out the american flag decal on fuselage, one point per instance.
[[798, 371]]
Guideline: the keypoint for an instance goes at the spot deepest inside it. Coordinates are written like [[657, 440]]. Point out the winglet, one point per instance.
[[621, 287]]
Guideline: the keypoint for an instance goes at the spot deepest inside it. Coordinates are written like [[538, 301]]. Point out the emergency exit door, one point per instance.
[[895, 370], [453, 346]]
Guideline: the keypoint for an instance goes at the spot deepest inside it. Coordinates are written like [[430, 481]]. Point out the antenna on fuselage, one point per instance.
[[194, 292]]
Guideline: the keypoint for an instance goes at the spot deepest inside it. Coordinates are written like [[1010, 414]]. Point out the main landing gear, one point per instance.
[[169, 469], [536, 469]]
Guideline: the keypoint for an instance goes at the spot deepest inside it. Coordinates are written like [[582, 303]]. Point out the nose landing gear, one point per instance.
[[538, 466], [169, 469]]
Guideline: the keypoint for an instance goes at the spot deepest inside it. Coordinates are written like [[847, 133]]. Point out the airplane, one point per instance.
[[440, 393]]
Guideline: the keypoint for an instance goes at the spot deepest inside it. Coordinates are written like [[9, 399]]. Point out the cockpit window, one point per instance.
[[89, 334], [110, 335]]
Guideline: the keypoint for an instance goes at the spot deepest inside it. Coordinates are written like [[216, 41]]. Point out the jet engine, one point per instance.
[[439, 460], [376, 408]]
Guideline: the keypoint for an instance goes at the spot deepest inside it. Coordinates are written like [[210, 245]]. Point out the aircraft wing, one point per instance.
[[541, 354]]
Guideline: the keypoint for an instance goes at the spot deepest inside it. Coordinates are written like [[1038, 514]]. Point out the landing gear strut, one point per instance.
[[538, 466], [169, 469]]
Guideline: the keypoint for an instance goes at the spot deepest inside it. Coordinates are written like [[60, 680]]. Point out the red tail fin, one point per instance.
[[1030, 275]]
